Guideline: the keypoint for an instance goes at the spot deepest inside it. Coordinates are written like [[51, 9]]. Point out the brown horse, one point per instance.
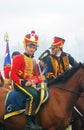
[[78, 114], [57, 112]]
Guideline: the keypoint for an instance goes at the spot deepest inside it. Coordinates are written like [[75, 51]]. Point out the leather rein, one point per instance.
[[70, 91]]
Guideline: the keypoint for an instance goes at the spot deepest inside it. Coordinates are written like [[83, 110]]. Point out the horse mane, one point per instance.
[[64, 77]]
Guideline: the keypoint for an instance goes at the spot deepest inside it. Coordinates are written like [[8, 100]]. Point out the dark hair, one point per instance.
[[15, 53]]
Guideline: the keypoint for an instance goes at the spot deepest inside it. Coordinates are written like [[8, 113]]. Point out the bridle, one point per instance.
[[70, 91]]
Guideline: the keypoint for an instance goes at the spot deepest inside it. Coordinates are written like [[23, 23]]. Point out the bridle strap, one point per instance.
[[70, 91]]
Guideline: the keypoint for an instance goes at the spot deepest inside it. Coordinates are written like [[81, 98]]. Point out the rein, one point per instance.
[[70, 91]]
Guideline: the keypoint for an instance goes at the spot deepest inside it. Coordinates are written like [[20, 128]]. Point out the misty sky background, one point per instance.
[[49, 18]]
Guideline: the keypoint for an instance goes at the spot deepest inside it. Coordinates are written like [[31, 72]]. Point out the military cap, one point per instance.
[[57, 42], [31, 39]]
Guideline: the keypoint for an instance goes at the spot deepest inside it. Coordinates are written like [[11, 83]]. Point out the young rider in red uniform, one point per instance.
[[24, 74]]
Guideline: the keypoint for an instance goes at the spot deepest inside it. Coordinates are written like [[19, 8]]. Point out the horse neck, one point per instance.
[[69, 91], [75, 84]]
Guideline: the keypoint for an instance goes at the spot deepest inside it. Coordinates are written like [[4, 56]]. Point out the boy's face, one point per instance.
[[55, 51], [31, 49]]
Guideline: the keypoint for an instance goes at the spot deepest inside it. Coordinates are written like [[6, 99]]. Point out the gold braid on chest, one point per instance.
[[55, 65], [29, 66]]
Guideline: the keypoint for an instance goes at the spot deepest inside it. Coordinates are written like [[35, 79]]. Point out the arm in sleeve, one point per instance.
[[72, 61], [50, 71], [16, 67]]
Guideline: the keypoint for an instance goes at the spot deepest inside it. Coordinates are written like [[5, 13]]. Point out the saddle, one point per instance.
[[14, 107]]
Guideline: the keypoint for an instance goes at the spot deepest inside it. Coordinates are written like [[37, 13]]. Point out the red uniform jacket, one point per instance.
[[24, 68]]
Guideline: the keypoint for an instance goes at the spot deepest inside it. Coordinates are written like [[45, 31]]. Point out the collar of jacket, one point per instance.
[[28, 55]]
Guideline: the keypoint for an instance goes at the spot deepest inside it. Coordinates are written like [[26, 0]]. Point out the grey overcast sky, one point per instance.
[[49, 18]]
